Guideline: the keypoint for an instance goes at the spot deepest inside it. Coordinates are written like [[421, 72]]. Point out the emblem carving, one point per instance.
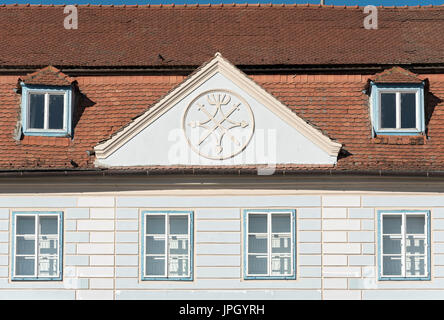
[[218, 124]]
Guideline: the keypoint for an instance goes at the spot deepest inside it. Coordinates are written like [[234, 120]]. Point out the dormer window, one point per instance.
[[398, 109], [397, 102], [46, 111], [46, 107]]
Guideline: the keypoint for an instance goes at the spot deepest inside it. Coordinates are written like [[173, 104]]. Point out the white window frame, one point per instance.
[[269, 254], [398, 93], [46, 94], [166, 236], [403, 236], [36, 236]]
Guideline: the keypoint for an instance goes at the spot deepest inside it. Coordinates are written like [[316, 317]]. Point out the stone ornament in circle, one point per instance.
[[218, 124]]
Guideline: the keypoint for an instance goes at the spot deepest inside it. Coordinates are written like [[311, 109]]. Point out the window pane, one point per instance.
[[391, 224], [415, 224], [415, 266], [257, 244], [48, 266], [25, 225], [178, 224], [24, 266], [36, 111], [25, 245], [280, 265], [391, 265], [155, 266], [48, 246], [178, 266], [408, 110], [155, 224], [257, 264], [178, 245], [415, 245], [257, 223], [48, 225], [155, 245], [280, 222], [280, 244], [391, 246], [56, 111], [388, 110]]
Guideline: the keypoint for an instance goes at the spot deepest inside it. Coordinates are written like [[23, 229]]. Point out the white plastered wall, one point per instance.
[[336, 234]]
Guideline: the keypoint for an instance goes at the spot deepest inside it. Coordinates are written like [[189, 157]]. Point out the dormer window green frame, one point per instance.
[[46, 110], [397, 109]]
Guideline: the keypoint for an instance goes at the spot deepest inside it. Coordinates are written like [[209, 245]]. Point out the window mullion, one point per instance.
[[46, 112]]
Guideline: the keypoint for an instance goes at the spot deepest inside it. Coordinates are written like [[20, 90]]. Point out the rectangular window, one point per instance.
[[37, 245], [399, 110], [167, 245], [269, 244], [404, 238], [46, 111]]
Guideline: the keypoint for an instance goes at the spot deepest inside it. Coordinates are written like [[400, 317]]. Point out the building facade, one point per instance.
[[249, 154]]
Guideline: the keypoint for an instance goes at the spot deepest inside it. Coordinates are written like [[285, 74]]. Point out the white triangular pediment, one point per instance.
[[217, 116]]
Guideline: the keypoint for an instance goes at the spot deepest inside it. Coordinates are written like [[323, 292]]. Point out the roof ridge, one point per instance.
[[220, 5]]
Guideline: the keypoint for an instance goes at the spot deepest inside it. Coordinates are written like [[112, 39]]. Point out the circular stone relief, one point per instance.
[[218, 124]]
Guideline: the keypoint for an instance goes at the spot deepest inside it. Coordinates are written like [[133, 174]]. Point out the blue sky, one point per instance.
[[335, 2]]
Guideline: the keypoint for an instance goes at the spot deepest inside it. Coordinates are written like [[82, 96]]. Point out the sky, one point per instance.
[[329, 2]]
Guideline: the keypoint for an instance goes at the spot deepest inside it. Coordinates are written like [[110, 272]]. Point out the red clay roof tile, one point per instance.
[[263, 35], [48, 76], [339, 107], [396, 75], [188, 35]]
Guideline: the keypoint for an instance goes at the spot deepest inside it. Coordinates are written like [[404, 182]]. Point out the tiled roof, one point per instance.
[[149, 36], [338, 106], [335, 103], [396, 75], [48, 76], [172, 36], [105, 106]]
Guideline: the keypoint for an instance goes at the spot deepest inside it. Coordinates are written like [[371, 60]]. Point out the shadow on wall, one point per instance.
[[431, 101], [81, 101]]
